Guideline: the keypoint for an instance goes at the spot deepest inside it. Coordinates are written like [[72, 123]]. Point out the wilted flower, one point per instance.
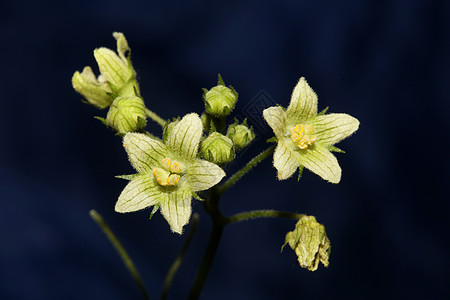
[[310, 243]]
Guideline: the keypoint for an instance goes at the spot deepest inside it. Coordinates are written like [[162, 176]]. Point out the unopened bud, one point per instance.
[[220, 100], [240, 134], [217, 148], [168, 128], [127, 114]]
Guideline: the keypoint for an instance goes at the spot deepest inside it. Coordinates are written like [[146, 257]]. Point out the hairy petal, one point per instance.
[[202, 175], [303, 105], [275, 116], [332, 128], [285, 161], [185, 136], [177, 209], [322, 162], [144, 152], [140, 192]]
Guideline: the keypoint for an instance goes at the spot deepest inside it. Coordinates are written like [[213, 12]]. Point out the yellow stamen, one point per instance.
[[303, 135]]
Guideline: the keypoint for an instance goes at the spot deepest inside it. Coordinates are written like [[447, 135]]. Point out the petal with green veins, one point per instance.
[[285, 161], [140, 192], [177, 210], [319, 160], [185, 136], [203, 175], [332, 128], [144, 152], [303, 105], [276, 118], [112, 67]]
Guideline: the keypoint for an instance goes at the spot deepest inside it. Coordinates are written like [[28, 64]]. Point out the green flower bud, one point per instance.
[[168, 128], [127, 114], [310, 243], [220, 100], [217, 148], [240, 134], [115, 67], [95, 90]]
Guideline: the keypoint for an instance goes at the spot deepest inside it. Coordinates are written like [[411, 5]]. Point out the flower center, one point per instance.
[[169, 174], [303, 136]]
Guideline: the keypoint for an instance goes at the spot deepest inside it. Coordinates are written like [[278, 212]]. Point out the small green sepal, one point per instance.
[[335, 149]]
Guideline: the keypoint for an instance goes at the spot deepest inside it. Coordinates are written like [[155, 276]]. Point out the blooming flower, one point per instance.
[[305, 138], [169, 173]]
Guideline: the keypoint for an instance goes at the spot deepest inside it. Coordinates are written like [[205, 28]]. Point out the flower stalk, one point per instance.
[[121, 250]]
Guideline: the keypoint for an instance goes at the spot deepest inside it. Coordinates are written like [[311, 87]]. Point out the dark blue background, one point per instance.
[[384, 62]]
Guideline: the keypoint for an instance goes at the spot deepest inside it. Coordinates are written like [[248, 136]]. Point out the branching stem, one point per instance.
[[245, 169]]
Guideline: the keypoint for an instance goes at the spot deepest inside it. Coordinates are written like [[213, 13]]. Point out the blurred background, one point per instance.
[[384, 62]]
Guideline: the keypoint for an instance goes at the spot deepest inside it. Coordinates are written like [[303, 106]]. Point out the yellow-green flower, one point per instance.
[[305, 138], [169, 174]]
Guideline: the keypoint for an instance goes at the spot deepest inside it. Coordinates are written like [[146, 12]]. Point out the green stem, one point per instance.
[[119, 248], [202, 274], [263, 213], [176, 264], [212, 208], [244, 170], [155, 117]]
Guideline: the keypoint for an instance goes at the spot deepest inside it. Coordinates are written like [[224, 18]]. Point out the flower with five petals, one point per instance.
[[169, 174], [306, 138]]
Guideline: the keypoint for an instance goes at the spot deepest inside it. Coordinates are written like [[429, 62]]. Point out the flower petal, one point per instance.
[[332, 128], [322, 162], [144, 152], [185, 136], [303, 104], [275, 116], [115, 70], [202, 175], [140, 192], [177, 209], [285, 161], [122, 45]]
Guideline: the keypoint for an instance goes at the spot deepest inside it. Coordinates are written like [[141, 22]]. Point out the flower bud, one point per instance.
[[127, 114], [310, 243], [168, 128], [116, 68], [240, 134], [217, 148], [96, 91], [220, 100]]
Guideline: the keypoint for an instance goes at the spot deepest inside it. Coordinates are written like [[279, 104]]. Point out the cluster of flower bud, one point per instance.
[[116, 87]]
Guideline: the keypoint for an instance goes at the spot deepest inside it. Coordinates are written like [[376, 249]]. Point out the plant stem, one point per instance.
[[202, 274], [155, 117], [245, 169], [176, 264], [263, 213], [121, 250], [211, 206]]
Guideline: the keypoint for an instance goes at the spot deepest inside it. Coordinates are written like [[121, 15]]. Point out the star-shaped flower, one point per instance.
[[169, 173], [305, 138]]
